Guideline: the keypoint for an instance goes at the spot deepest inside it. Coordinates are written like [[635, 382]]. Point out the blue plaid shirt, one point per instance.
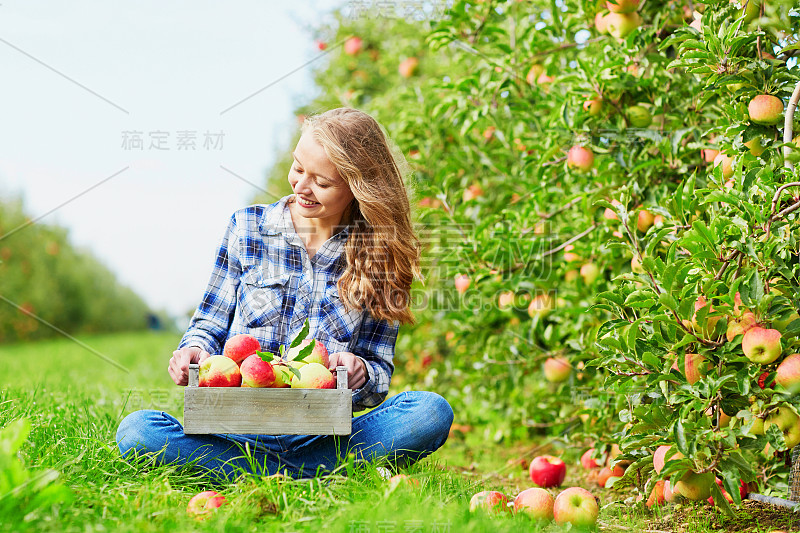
[[264, 284]]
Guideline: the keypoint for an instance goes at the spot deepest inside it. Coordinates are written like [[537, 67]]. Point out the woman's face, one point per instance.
[[314, 177]]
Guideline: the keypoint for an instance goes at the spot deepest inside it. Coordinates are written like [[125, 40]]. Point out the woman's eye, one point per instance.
[[298, 170]]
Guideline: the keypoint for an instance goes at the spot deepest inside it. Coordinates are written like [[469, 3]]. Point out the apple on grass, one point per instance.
[[607, 473], [491, 501], [203, 504], [219, 371], [536, 503], [240, 347], [256, 372], [576, 506], [547, 471], [404, 480], [557, 369], [761, 345], [587, 461], [656, 495]]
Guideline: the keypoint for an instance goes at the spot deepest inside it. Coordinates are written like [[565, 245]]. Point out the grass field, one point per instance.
[[74, 396]]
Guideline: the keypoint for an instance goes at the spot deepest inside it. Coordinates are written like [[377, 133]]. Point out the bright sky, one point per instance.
[[78, 75]]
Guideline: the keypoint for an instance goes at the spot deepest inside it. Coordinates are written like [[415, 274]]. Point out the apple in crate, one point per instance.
[[256, 372], [318, 355], [240, 347], [491, 501], [314, 376], [219, 371], [201, 505], [548, 471], [283, 376]]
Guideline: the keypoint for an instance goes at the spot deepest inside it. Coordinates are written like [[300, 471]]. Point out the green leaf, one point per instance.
[[13, 436], [267, 357], [300, 336]]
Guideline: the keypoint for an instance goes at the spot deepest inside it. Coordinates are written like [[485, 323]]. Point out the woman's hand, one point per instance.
[[356, 369], [179, 364]]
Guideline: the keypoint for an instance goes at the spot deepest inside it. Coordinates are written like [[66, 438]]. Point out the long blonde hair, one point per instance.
[[382, 251]]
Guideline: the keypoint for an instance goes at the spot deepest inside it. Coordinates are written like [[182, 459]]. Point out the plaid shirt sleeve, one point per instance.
[[375, 345], [209, 326]]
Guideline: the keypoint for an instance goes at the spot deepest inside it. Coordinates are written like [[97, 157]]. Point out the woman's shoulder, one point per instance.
[[258, 217]]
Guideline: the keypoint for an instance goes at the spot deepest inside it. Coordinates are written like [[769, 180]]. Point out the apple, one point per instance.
[[505, 300], [694, 486], [219, 371], [622, 6], [402, 479], [547, 471], [711, 321], [540, 306], [240, 347], [283, 376], [202, 504], [765, 109], [313, 376], [762, 345], [662, 455], [488, 133], [754, 146], [590, 272], [472, 192], [490, 501], [321, 45], [569, 255], [600, 22], [697, 24], [636, 265], [534, 73], [607, 473], [256, 372], [621, 24], [462, 283], [576, 506], [536, 503], [580, 158], [788, 373], [644, 220], [587, 461], [709, 154], [611, 214], [656, 495], [694, 367], [408, 67], [318, 355], [788, 422], [593, 107], [638, 116], [352, 46], [752, 11], [557, 369], [727, 164], [783, 323], [740, 326]]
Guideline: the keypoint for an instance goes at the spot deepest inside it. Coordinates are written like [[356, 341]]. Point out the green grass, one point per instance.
[[74, 399]]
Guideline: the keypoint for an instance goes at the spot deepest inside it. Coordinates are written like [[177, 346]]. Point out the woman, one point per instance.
[[340, 252]]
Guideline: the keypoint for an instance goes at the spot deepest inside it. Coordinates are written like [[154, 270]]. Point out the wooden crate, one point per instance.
[[244, 410]]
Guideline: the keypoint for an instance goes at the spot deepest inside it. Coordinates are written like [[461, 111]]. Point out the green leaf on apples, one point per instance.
[[720, 500], [267, 357], [300, 336], [305, 351]]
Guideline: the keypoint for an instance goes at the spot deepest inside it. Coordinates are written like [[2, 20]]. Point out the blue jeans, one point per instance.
[[402, 430]]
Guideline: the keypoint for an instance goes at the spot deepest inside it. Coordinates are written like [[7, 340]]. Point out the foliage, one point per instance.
[[43, 274], [487, 121]]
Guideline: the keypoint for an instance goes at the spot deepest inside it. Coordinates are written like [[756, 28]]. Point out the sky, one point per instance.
[[147, 120]]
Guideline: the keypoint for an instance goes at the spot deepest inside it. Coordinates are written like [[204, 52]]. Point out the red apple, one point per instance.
[[580, 158], [600, 22], [203, 504], [256, 372], [490, 501], [462, 283], [621, 24], [587, 461], [402, 479], [709, 154], [762, 345], [540, 306], [693, 367], [607, 473], [534, 73], [576, 506], [740, 326], [536, 503], [219, 371], [408, 67], [727, 164], [656, 495], [557, 369], [322, 45], [314, 376], [548, 471], [318, 355], [645, 220], [664, 454], [240, 347], [765, 109], [788, 373], [472, 192], [352, 46]]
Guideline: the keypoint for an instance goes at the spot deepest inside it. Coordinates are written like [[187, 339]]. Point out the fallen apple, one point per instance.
[[607, 473], [490, 501], [587, 461], [576, 506], [536, 503], [547, 471], [203, 504]]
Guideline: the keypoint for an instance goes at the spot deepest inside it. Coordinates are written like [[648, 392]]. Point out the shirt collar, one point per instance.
[[281, 222]]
